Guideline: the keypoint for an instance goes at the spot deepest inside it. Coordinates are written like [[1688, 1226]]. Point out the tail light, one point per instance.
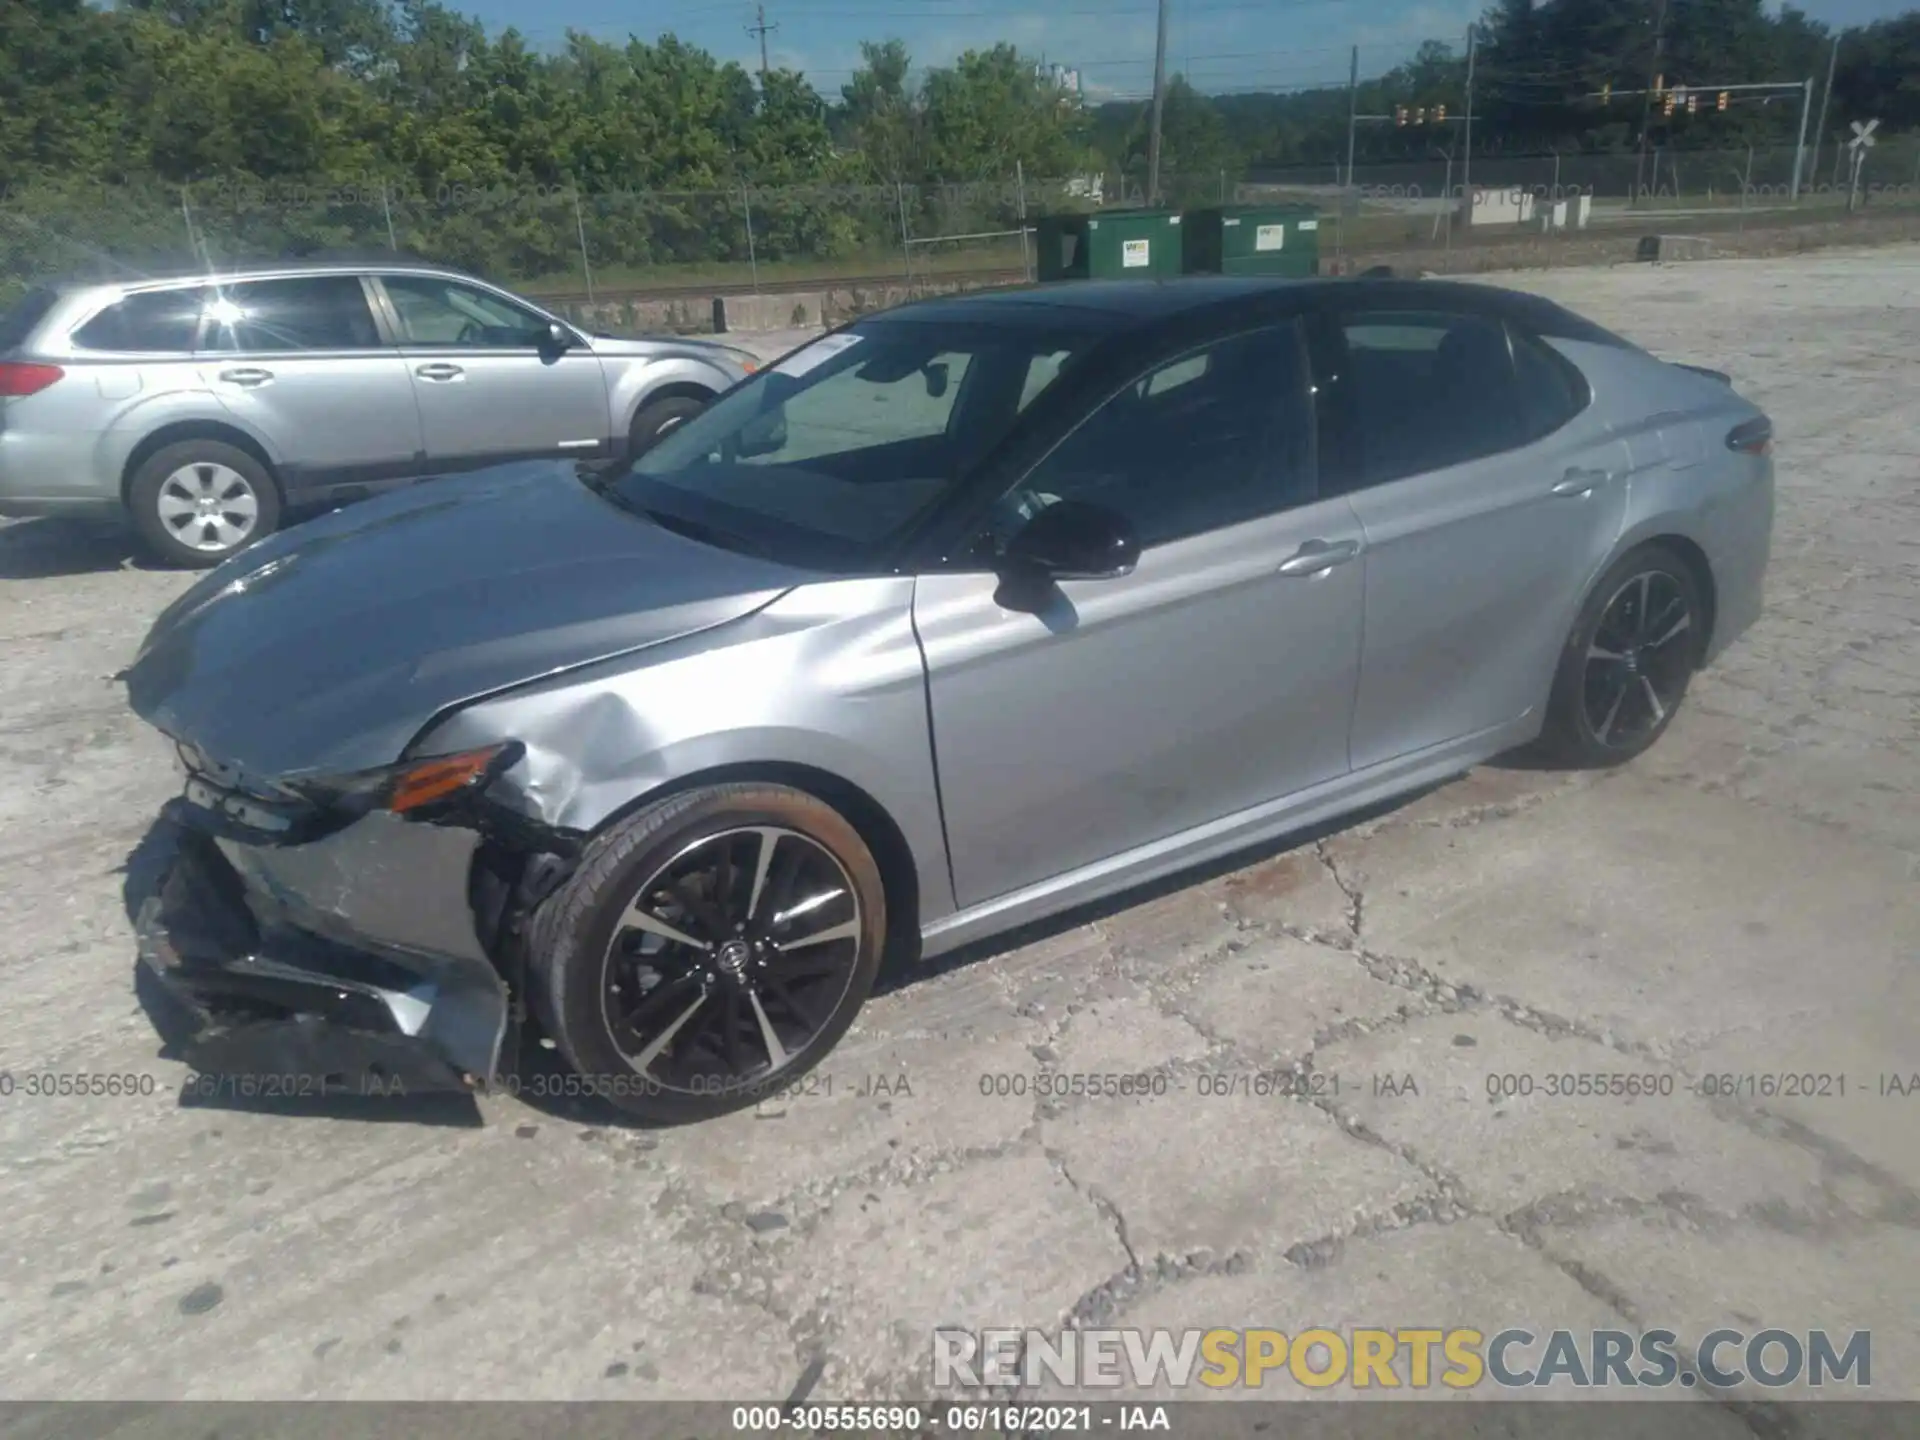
[[1755, 437], [18, 381]]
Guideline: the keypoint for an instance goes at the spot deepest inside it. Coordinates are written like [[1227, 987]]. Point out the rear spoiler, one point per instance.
[[1720, 375]]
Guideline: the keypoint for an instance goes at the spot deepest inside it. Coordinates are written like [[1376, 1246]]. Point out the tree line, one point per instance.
[[107, 116]]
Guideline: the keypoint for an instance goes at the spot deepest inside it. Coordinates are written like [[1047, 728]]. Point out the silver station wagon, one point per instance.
[[206, 407]]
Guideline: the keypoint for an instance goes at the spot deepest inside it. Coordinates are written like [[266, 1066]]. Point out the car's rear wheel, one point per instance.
[[199, 501], [655, 419], [1628, 661], [709, 950]]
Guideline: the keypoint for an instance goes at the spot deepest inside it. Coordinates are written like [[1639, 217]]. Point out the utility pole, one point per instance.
[[1353, 110], [761, 28], [1820, 126], [1466, 147], [1159, 109], [1646, 103], [1800, 150]]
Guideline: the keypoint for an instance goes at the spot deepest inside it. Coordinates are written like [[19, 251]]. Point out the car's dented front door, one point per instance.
[[1217, 676]]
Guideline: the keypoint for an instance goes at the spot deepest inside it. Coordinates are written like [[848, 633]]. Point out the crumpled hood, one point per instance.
[[326, 648]]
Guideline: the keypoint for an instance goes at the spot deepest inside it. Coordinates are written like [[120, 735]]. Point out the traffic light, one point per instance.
[[1439, 114], [1667, 107], [1606, 93], [1399, 114], [1721, 103], [1693, 104], [1420, 116]]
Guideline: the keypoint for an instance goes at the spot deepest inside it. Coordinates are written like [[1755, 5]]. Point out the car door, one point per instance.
[[1490, 493], [1217, 676], [490, 385], [300, 360]]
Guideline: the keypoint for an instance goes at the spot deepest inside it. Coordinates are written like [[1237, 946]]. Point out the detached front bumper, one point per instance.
[[229, 936]]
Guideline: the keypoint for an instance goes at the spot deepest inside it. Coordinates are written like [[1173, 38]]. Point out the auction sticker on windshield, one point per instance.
[[809, 357]]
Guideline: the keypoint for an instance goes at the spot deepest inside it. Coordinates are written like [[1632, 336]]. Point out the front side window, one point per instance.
[[313, 312], [145, 323], [1214, 438], [1428, 390], [432, 311], [828, 456]]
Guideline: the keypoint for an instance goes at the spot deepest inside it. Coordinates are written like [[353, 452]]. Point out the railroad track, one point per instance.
[[981, 278]]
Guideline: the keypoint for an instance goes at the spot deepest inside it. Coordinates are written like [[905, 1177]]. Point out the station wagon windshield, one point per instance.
[[823, 459]]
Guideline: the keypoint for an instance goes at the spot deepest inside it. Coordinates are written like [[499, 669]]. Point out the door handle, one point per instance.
[[1578, 483], [439, 371], [246, 377], [1316, 557]]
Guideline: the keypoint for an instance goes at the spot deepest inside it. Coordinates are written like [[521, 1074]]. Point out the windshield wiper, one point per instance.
[[696, 530]]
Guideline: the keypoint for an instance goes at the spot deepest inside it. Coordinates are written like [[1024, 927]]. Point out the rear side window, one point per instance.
[[152, 321], [1552, 391], [1427, 390], [315, 312], [20, 319]]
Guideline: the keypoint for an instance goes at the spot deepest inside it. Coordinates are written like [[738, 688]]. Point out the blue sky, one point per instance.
[[1221, 44]]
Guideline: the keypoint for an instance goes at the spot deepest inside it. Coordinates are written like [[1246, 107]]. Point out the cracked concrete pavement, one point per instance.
[[1740, 902]]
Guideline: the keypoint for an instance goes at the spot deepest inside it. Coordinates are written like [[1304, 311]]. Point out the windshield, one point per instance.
[[825, 458]]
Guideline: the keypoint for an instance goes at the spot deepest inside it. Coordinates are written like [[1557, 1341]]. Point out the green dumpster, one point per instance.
[[1251, 240], [1110, 245]]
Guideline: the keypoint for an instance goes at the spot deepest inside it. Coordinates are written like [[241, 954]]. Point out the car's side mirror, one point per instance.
[[1069, 540], [558, 337], [936, 375]]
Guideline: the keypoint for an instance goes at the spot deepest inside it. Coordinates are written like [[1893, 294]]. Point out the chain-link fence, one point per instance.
[[540, 238], [554, 241]]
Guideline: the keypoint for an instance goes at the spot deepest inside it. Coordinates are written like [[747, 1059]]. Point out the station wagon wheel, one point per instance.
[[654, 419], [208, 506], [197, 502], [710, 951], [1628, 663]]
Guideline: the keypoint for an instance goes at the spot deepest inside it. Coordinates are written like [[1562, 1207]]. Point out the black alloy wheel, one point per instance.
[[1639, 660], [730, 959], [710, 950], [1629, 660]]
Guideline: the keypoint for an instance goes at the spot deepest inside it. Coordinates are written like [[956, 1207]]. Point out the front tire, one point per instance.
[[199, 502], [656, 418], [709, 950], [1628, 660]]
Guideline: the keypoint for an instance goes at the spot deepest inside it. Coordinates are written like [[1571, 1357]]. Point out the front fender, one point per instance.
[[829, 678], [632, 383]]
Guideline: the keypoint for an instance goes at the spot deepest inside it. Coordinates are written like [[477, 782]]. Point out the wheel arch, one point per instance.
[[899, 872], [672, 390], [180, 430]]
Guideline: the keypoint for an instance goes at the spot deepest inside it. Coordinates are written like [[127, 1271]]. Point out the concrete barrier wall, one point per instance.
[[780, 310]]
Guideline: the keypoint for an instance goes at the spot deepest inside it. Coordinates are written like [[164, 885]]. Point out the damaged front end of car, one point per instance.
[[358, 935]]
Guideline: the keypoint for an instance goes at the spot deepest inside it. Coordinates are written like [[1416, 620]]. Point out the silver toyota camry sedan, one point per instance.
[[965, 614]]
